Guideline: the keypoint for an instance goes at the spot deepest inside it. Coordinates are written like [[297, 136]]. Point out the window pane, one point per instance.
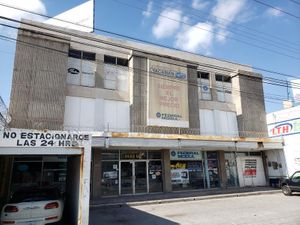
[[219, 77], [75, 53], [89, 56], [109, 59], [122, 62], [155, 176], [203, 75], [110, 178]]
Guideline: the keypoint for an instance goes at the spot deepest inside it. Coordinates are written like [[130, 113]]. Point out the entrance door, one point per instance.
[[133, 177]]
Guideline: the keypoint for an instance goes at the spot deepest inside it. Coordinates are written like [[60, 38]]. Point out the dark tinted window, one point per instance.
[[122, 62], [35, 194], [203, 75], [110, 59], [219, 77], [89, 56], [75, 53]]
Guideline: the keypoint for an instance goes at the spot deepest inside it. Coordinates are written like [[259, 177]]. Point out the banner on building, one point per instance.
[[286, 127], [296, 90], [167, 95]]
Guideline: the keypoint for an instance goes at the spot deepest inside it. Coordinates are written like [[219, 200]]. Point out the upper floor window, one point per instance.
[[204, 89], [115, 73], [115, 60], [81, 68], [223, 85]]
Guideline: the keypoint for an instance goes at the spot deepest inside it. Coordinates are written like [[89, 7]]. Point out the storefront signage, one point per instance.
[[250, 167], [167, 95], [284, 128], [185, 155], [29, 138], [180, 176]]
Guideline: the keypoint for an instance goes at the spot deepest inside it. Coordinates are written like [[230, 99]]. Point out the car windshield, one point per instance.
[[35, 195]]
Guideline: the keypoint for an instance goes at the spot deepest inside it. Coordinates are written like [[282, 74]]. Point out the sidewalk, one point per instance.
[[159, 198]]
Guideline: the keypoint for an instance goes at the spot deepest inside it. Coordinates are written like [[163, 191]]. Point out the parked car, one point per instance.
[[33, 206], [291, 184]]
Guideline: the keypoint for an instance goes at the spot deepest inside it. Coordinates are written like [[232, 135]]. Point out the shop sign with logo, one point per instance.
[[185, 155], [167, 95], [287, 127]]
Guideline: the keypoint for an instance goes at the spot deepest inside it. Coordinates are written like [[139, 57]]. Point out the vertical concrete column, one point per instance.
[[138, 93], [193, 99], [99, 76], [167, 185], [213, 86], [250, 105], [96, 185], [222, 168]]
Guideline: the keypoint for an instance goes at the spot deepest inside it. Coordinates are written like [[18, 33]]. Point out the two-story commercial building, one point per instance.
[[162, 120]]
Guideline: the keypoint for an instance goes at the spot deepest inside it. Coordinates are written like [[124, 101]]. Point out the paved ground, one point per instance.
[[266, 209]]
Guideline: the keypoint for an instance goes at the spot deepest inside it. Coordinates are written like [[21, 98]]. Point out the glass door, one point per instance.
[[133, 177], [126, 177]]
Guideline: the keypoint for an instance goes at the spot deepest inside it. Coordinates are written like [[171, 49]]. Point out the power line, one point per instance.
[[251, 35], [114, 50], [278, 9], [144, 71], [213, 32], [294, 1], [144, 41], [118, 45]]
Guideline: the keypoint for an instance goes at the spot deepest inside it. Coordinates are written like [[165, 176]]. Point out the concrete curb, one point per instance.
[[187, 199]]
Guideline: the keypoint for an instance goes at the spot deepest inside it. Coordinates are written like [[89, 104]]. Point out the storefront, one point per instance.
[[125, 172]]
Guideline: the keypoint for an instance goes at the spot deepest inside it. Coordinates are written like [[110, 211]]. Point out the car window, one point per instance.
[[296, 177], [35, 195]]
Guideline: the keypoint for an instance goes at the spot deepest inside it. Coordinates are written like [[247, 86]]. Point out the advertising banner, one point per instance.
[[284, 128], [250, 167], [167, 95]]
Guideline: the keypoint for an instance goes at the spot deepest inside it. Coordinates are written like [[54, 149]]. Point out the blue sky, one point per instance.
[[216, 28]]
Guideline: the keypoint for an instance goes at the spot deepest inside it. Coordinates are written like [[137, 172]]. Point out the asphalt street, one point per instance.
[[267, 209]]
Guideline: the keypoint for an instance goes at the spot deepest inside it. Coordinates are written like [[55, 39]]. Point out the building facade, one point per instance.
[[285, 125], [162, 120]]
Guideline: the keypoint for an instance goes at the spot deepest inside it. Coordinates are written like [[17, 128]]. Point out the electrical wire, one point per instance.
[[278, 9], [214, 32], [145, 72]]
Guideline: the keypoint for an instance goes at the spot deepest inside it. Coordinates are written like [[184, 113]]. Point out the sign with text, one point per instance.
[[287, 127], [250, 167], [167, 95], [32, 138], [185, 155]]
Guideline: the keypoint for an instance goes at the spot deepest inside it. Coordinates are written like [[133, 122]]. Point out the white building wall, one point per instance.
[[96, 114], [217, 122]]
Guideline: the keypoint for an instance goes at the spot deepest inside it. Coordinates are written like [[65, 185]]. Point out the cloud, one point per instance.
[[36, 6], [199, 4], [148, 11], [225, 12], [274, 12], [195, 38], [167, 23]]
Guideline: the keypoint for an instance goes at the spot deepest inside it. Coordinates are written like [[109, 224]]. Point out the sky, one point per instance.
[[243, 31]]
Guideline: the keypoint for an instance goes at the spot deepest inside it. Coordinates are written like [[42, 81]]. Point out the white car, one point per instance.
[[34, 206]]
